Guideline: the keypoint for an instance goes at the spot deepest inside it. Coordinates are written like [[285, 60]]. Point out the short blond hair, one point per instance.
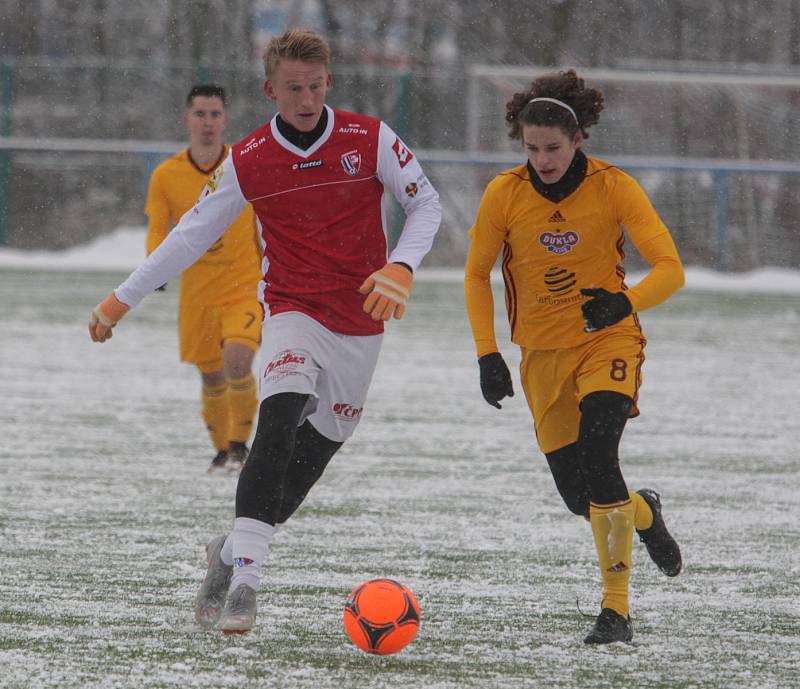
[[296, 44]]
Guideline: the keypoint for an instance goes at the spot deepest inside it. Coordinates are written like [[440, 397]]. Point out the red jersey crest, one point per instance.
[[351, 162]]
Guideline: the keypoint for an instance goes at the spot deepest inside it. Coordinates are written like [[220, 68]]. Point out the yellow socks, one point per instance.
[[229, 409], [612, 527], [242, 402], [642, 514], [215, 414]]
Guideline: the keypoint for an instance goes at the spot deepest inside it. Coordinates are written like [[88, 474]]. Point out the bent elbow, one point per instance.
[[680, 275]]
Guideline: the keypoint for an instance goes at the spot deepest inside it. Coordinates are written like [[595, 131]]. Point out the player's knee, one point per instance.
[[569, 479], [237, 359], [278, 417]]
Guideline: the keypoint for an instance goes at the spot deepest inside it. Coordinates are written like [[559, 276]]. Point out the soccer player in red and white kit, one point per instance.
[[317, 179]]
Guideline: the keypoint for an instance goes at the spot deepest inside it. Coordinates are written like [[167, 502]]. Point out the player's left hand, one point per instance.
[[604, 309], [105, 316], [495, 379], [388, 290]]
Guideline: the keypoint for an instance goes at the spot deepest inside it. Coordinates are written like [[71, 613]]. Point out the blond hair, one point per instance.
[[296, 44]]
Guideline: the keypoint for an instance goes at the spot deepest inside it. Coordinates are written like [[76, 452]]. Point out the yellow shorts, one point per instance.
[[205, 329], [556, 380]]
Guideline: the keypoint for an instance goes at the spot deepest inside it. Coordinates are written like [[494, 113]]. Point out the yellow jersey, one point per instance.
[[231, 269], [552, 250]]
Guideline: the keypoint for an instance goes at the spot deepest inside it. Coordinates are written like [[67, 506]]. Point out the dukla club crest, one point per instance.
[[351, 162]]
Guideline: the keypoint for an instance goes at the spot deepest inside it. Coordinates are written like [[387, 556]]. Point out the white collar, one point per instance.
[[289, 146]]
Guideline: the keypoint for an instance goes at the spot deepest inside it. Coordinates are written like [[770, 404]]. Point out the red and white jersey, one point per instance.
[[323, 217]]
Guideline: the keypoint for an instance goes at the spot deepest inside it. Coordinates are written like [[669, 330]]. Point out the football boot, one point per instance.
[[211, 596], [661, 546]]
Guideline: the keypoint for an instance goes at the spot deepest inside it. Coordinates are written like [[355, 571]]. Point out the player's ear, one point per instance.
[[577, 140], [269, 90]]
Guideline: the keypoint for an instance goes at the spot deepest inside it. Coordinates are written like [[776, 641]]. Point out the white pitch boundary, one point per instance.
[[123, 250]]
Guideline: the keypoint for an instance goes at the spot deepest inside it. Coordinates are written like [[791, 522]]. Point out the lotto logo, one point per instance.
[[306, 164], [242, 561], [404, 155], [346, 412]]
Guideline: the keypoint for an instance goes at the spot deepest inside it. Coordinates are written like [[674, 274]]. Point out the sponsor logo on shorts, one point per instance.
[[284, 364], [347, 412], [307, 164], [559, 243], [242, 561], [351, 162]]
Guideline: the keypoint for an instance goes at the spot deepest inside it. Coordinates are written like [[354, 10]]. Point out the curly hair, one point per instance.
[[567, 87]]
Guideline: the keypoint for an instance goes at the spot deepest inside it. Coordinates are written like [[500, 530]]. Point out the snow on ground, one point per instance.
[[123, 249], [105, 507]]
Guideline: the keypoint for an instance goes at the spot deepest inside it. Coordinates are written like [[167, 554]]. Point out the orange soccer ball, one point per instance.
[[381, 616]]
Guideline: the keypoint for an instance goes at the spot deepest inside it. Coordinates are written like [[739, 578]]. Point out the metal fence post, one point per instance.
[[6, 125], [202, 73], [722, 189]]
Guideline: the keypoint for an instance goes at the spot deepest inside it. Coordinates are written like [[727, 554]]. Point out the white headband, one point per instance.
[[557, 102]]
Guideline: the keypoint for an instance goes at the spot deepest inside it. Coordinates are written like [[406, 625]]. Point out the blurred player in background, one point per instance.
[[317, 178], [220, 317], [558, 221]]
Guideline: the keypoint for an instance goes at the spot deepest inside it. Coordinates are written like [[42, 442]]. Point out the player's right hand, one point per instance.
[[387, 291], [105, 316], [495, 378]]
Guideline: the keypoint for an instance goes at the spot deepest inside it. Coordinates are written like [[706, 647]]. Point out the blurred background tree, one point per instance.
[[115, 69]]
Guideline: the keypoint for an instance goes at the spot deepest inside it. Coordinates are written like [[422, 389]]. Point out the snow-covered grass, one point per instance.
[[105, 507]]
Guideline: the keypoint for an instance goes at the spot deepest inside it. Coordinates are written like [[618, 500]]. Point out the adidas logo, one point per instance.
[[557, 217]]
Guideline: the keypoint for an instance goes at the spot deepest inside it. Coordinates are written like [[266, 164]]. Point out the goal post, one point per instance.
[[722, 115], [730, 130]]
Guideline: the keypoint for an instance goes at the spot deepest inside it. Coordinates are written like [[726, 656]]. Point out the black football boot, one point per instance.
[[661, 546], [609, 627]]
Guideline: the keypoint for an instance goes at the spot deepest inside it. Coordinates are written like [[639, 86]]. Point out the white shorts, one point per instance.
[[300, 355]]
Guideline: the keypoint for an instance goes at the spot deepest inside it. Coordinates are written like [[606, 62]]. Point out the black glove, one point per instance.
[[495, 378], [605, 309]]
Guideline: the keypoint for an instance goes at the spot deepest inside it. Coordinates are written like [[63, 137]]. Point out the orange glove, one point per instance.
[[388, 290], [105, 316]]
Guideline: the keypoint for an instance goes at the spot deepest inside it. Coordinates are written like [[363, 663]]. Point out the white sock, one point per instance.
[[251, 539], [226, 554]]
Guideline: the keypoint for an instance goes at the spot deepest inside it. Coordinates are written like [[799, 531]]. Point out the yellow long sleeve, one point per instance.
[[479, 299], [665, 277], [158, 214]]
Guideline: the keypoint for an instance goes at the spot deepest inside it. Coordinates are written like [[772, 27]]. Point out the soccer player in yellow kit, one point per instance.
[[220, 316], [558, 220]]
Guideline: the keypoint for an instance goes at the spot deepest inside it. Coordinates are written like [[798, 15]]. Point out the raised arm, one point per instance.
[[219, 205]]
